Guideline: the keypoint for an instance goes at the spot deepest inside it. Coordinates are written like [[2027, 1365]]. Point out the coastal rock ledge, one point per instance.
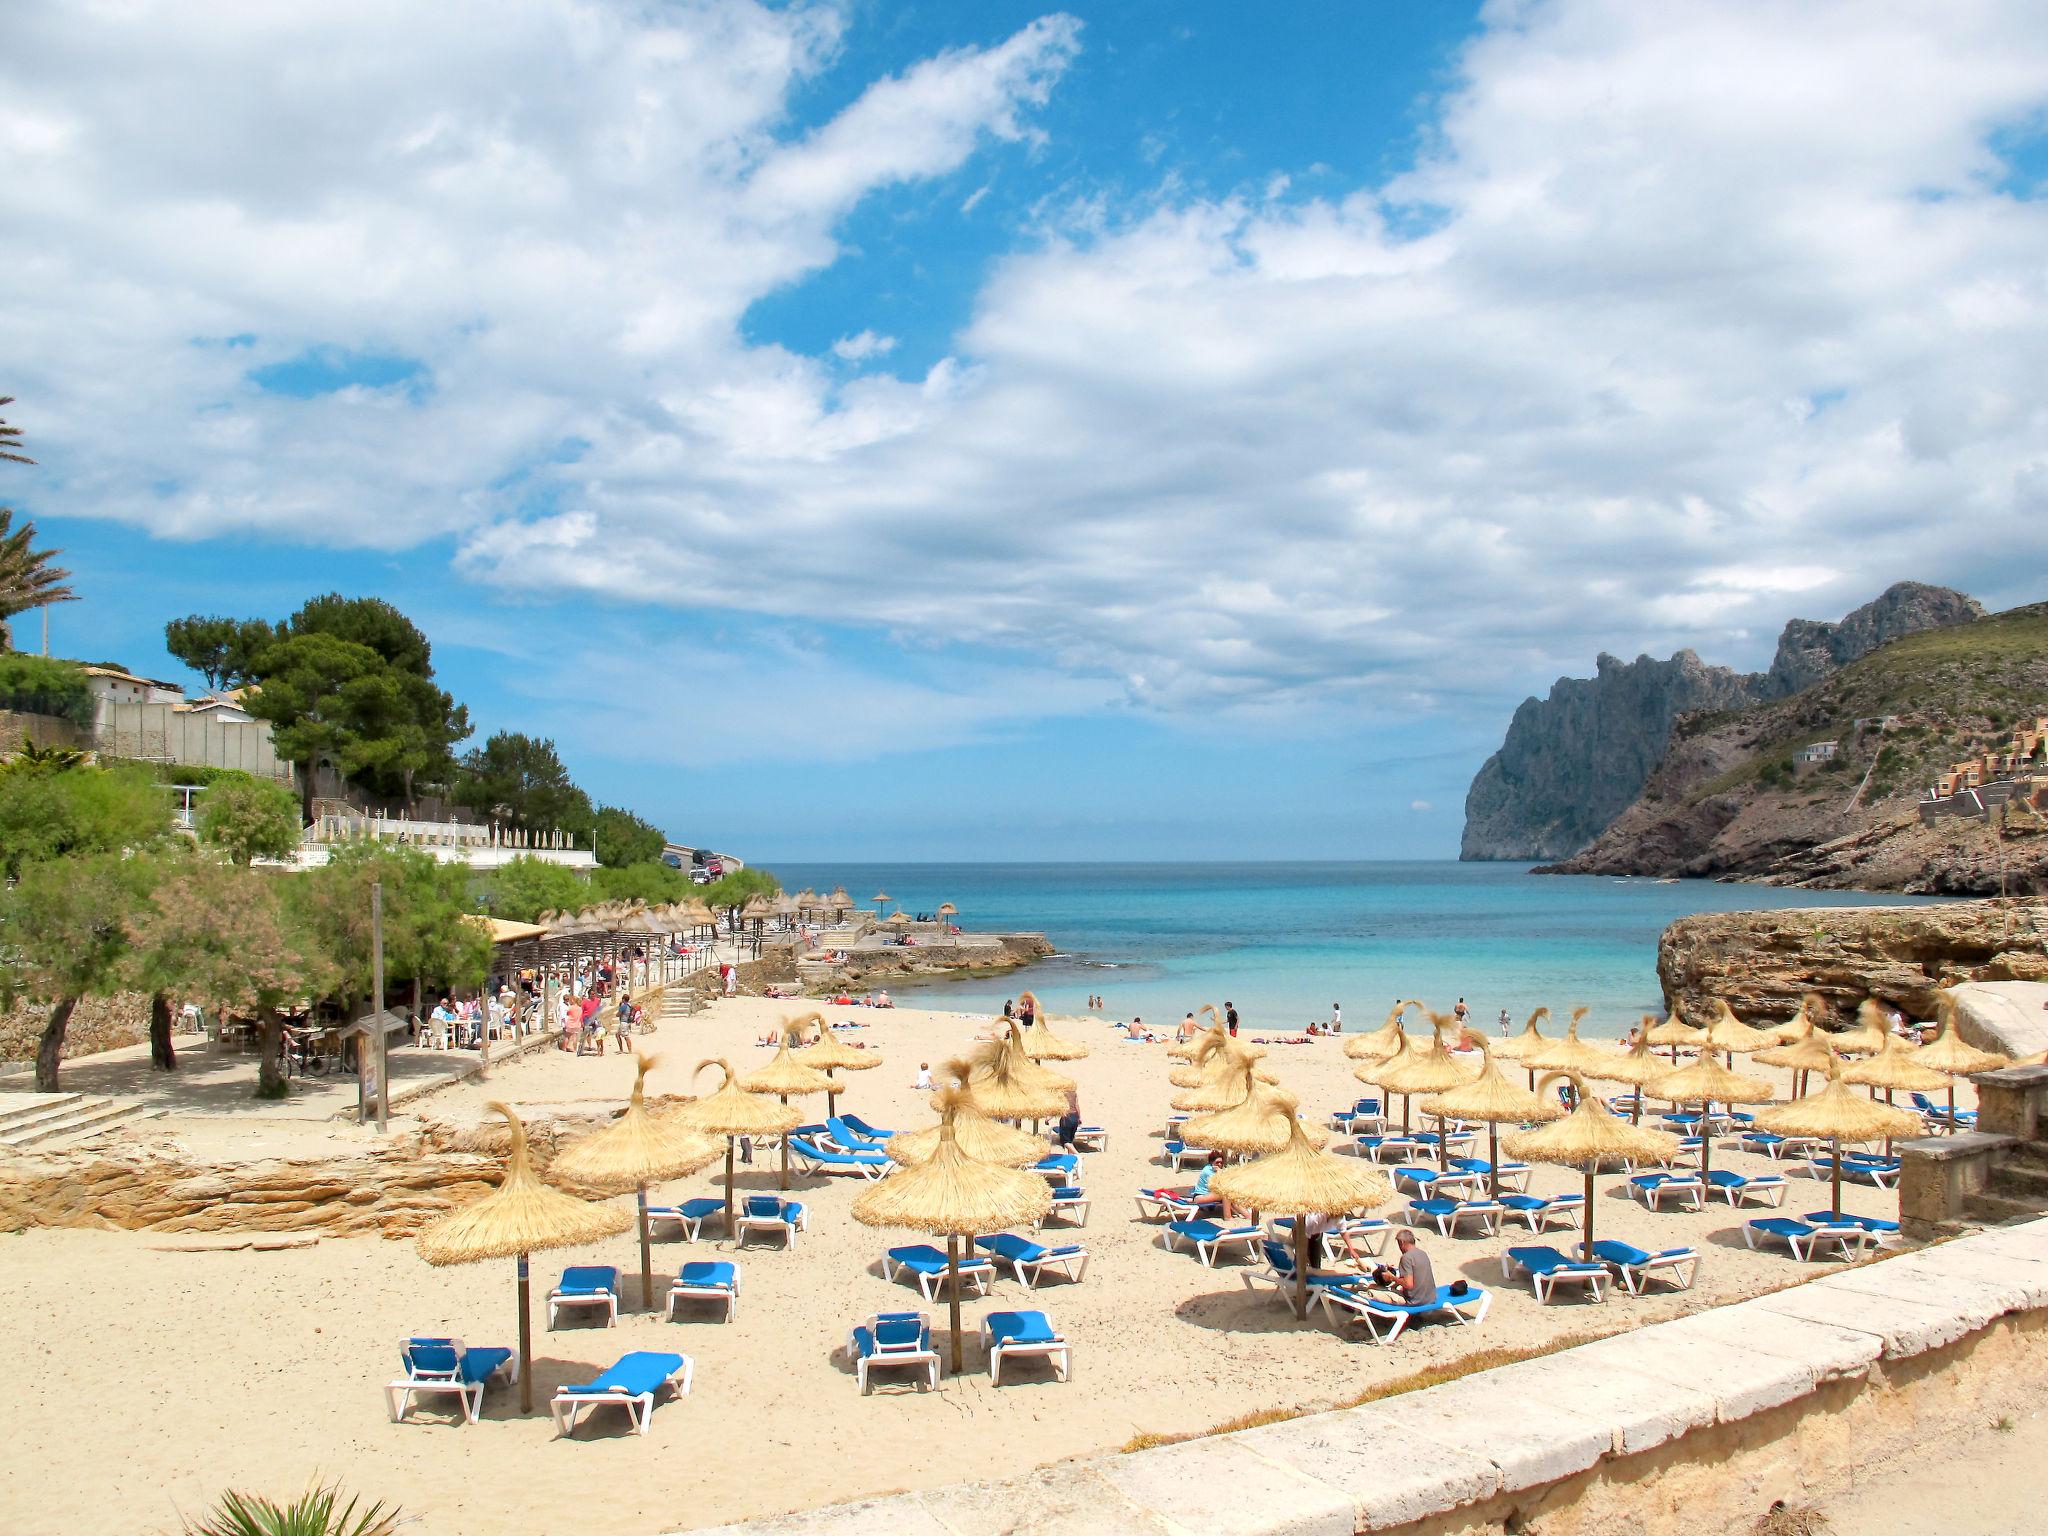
[[1762, 962]]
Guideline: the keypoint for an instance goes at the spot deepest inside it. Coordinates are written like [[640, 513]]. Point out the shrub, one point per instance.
[[42, 685]]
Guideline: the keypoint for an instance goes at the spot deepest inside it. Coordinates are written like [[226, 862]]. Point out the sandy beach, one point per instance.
[[148, 1381]]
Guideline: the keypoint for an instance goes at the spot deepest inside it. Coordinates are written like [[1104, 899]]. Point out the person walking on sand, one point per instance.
[[1336, 1018], [1460, 1011], [622, 1024], [1230, 1017], [1070, 1122], [1504, 1024]]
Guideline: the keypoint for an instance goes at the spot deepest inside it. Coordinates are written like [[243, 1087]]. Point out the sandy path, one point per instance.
[[143, 1382]]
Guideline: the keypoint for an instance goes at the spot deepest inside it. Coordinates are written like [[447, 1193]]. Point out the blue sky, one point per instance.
[[918, 431]]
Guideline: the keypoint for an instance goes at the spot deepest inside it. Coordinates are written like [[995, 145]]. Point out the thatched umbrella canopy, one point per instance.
[[1587, 1138], [1949, 1052], [1008, 1085], [1840, 1115], [521, 1216], [732, 1112], [983, 1139], [947, 909], [1813, 1008], [1041, 1044], [1705, 1083], [1224, 1088], [898, 919], [1303, 1182], [1571, 1054], [1801, 1046], [1431, 1069], [1730, 1036], [1184, 1050], [829, 1051], [1529, 1043], [634, 1151], [953, 1195], [1217, 1056], [1381, 1043], [1871, 1031], [1637, 1066], [1675, 1032], [1262, 1120], [787, 1076], [1895, 1071], [1492, 1098]]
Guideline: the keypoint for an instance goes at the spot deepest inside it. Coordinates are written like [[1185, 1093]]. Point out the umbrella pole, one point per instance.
[[1443, 1144], [729, 1142], [1835, 1157], [1301, 1266], [525, 1342], [1951, 1106], [783, 1098], [1587, 1251], [953, 1293], [1493, 1160], [1706, 1143], [646, 1258]]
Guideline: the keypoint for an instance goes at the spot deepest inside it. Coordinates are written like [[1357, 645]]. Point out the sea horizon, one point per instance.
[[1286, 941]]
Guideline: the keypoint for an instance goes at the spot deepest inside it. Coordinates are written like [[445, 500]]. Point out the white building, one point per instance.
[[114, 686], [1819, 752]]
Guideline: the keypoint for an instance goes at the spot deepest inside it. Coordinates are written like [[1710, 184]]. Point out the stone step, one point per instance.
[[1992, 1209], [24, 1109], [2026, 1181], [86, 1119], [2032, 1153]]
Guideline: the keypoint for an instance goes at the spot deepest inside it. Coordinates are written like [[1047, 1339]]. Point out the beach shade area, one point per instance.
[[1524, 1047], [1706, 1083], [522, 1216], [1302, 1182], [732, 1112], [1007, 1085], [787, 1077], [1379, 1044], [828, 1053], [1039, 1041], [1492, 1098], [1674, 1034], [954, 1196], [1872, 1029], [1639, 1067], [983, 1139], [1429, 1070], [1837, 1114], [1570, 1053], [1263, 1119], [1802, 1046], [1587, 1138], [1731, 1037], [1895, 1071], [634, 1151], [1950, 1053]]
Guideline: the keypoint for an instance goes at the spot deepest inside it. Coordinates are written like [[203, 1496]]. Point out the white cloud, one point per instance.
[[860, 347], [1422, 443], [1420, 806]]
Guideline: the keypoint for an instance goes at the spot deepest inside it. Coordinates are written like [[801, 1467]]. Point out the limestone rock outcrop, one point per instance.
[[1573, 762], [1762, 963]]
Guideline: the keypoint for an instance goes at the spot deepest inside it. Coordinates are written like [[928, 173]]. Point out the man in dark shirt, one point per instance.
[[1230, 1018], [1412, 1278]]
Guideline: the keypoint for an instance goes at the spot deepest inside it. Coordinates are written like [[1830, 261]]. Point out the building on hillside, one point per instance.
[[121, 686], [1819, 752]]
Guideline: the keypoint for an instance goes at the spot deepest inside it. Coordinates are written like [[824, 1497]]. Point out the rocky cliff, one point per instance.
[[1762, 963], [1731, 799], [1573, 762]]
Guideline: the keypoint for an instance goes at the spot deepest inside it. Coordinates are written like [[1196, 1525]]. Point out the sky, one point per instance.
[[897, 431]]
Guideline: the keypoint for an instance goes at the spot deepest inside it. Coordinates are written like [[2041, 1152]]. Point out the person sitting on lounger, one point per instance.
[[1200, 1193], [1413, 1278]]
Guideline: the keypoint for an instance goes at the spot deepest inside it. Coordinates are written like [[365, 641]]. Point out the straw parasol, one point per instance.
[[1225, 1087], [947, 910], [1675, 1032], [1707, 1082], [634, 1151], [521, 1216], [829, 1051], [1801, 1048], [1871, 1031], [1218, 1057], [983, 1139], [1492, 1098], [1257, 1123], [1184, 1050], [732, 1112], [1571, 1054], [1588, 1137], [953, 1195], [1007, 1085], [1812, 1009], [881, 896], [1840, 1115], [1304, 1182], [1730, 1036], [787, 1076], [1429, 1070], [1525, 1045], [898, 919], [1895, 1071], [1381, 1043], [1040, 1043], [1949, 1052]]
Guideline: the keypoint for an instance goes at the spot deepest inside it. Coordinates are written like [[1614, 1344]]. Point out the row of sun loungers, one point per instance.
[[903, 1340]]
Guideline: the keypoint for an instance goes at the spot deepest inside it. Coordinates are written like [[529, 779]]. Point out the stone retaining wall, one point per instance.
[[1682, 1428]]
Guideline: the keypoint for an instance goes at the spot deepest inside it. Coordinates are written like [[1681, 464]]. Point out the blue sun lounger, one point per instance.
[[1029, 1261], [1805, 1239], [1636, 1266], [1538, 1211], [771, 1215], [1178, 1154], [1774, 1146], [1449, 1214], [707, 1280], [444, 1365], [927, 1265], [1175, 1204], [1069, 1203], [1880, 1230], [1425, 1182], [1547, 1268], [891, 1339], [1940, 1114], [1278, 1271], [1653, 1189], [817, 1159], [1513, 1176], [1208, 1238], [848, 1138], [1017, 1335], [1386, 1320], [632, 1384], [1367, 1232], [1883, 1172], [689, 1215], [1737, 1187], [594, 1286], [1059, 1167], [873, 1133], [1380, 1148]]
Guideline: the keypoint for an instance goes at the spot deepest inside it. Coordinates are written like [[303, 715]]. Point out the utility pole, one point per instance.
[[377, 986]]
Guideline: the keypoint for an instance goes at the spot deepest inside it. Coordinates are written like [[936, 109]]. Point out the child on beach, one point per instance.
[[924, 1078]]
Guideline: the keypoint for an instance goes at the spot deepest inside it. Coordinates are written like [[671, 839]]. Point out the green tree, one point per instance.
[[10, 439], [525, 887], [27, 578], [67, 937], [652, 883], [80, 810], [223, 651], [624, 839], [323, 698], [250, 819], [729, 893], [427, 933], [520, 779]]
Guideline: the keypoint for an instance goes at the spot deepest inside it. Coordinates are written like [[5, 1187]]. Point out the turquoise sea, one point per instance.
[[1285, 941]]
